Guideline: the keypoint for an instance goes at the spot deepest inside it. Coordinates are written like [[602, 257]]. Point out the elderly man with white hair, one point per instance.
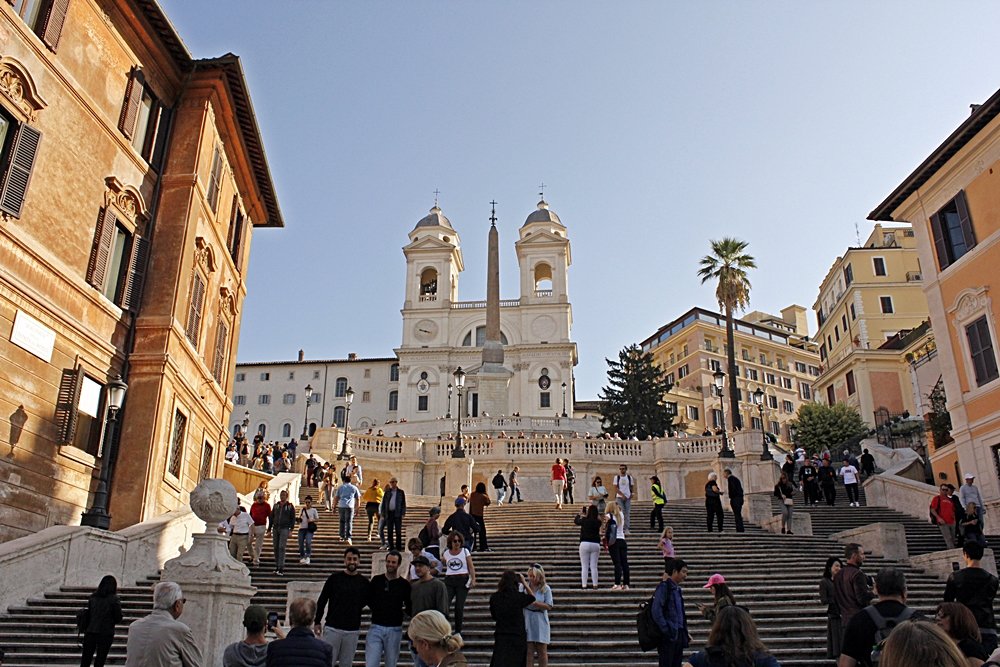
[[160, 640]]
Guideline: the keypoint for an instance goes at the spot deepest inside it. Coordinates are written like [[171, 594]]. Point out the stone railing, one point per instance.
[[81, 556], [244, 479]]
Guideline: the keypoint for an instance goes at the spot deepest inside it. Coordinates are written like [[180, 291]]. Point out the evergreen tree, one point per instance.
[[633, 402], [818, 426]]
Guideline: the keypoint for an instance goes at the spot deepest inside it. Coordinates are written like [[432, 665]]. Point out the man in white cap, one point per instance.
[[970, 493]]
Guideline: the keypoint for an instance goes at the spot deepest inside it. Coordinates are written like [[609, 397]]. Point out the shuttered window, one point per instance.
[[144, 120], [207, 462], [235, 239], [118, 260], [215, 180], [952, 230], [136, 274], [197, 306], [129, 116], [66, 404], [984, 359], [219, 360], [23, 146], [175, 454], [45, 17]]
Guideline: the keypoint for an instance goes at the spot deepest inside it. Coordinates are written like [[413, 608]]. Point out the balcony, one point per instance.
[[914, 277], [428, 297], [543, 292]]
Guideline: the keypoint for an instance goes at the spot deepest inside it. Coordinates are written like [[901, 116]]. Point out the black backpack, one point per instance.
[[884, 627], [649, 632], [424, 536]]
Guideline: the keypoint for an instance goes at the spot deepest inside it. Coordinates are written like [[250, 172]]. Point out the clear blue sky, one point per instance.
[[656, 126]]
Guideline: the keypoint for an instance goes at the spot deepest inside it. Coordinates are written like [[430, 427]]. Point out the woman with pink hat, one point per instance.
[[723, 597]]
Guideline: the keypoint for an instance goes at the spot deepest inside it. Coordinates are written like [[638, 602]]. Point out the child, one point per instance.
[[667, 543]]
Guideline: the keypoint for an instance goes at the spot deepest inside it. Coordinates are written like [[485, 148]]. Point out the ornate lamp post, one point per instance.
[[459, 452], [246, 423], [305, 422], [448, 416], [719, 378], [348, 399], [758, 398], [97, 516], [564, 399]]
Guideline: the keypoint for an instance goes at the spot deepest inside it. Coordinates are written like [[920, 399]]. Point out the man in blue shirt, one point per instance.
[[668, 612]]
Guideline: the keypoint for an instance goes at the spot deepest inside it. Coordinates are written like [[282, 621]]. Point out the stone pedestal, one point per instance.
[[491, 382], [757, 509], [887, 540], [801, 523], [457, 472], [216, 586], [942, 563], [299, 589]]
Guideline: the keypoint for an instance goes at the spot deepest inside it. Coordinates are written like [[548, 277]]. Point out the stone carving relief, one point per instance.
[[126, 199], [228, 300], [543, 327], [213, 500], [204, 254], [17, 86], [969, 303]]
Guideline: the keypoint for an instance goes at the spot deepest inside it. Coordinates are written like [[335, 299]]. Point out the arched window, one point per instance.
[[428, 281], [480, 337], [341, 388], [394, 373], [262, 430], [312, 429], [543, 278], [236, 429], [286, 430], [339, 413], [393, 401]]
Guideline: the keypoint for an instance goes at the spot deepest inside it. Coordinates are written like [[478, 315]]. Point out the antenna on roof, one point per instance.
[[857, 233]]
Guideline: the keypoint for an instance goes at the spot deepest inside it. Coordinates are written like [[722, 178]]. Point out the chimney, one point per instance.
[[795, 315], [973, 108], [352, 356], [302, 356]]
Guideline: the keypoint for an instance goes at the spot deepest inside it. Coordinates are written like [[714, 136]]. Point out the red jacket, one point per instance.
[[259, 513]]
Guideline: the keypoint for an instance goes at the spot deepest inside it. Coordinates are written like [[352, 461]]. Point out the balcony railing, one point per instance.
[[504, 303], [543, 292], [914, 277], [428, 297]]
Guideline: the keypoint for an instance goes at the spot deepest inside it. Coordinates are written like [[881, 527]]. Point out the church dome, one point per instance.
[[543, 214], [435, 219]]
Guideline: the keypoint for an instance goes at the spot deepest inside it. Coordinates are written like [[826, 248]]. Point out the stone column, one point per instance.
[[457, 472], [217, 587]]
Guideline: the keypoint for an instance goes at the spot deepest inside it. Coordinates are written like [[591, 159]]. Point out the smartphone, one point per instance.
[[954, 566], [272, 620]]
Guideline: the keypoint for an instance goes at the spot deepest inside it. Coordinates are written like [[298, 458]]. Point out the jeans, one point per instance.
[[852, 493], [619, 556], [257, 535], [346, 521], [501, 494], [626, 505], [830, 491], [737, 506], [382, 640], [305, 543], [589, 552], [279, 542], [656, 517], [670, 654], [394, 530], [786, 517], [568, 493], [481, 529], [515, 490], [344, 643], [101, 644], [457, 592], [371, 509]]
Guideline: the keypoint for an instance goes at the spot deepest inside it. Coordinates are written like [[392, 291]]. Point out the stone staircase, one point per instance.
[[776, 576]]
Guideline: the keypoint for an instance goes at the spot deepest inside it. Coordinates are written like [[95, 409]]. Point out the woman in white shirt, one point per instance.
[[598, 495], [459, 575], [308, 517], [850, 475], [615, 531]]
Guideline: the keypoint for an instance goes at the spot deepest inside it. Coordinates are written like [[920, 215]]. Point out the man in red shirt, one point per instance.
[[943, 513], [259, 512]]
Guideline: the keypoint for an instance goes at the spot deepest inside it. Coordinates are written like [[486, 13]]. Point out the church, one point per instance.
[[518, 354]]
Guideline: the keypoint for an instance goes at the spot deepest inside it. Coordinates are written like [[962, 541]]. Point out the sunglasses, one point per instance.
[[535, 566]]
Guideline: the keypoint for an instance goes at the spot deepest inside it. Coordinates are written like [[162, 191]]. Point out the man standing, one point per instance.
[[872, 624], [426, 592], [850, 473], [570, 481], [462, 522], [828, 482], [976, 589], [850, 586], [260, 510], [969, 493], [807, 480], [345, 592], [515, 487], [252, 651], [943, 512], [668, 612], [354, 468], [282, 522], [867, 463], [500, 486], [735, 498], [392, 509], [240, 524], [624, 490], [388, 599], [300, 648], [160, 640]]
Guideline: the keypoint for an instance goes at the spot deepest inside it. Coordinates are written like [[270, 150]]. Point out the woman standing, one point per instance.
[[510, 637], [784, 490], [834, 631], [598, 495], [733, 640], [431, 637], [328, 484], [536, 617], [957, 620], [347, 497], [558, 482], [104, 612], [308, 518], [667, 544], [614, 532], [459, 576], [430, 534], [659, 500], [713, 501], [590, 543], [477, 509], [972, 528], [372, 500]]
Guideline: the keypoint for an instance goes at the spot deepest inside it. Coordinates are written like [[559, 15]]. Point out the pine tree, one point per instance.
[[633, 402]]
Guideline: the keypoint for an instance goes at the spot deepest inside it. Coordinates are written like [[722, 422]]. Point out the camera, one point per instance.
[[272, 620]]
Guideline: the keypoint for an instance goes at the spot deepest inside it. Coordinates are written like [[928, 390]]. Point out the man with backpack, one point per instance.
[[668, 613], [500, 487], [942, 513], [870, 627]]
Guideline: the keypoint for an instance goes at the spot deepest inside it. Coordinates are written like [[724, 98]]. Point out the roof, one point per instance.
[[232, 70], [314, 362], [958, 139], [543, 214], [435, 219]]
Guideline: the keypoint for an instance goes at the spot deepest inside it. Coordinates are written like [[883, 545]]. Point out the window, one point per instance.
[[836, 333], [885, 302], [117, 261], [175, 453], [851, 386], [684, 352], [394, 373], [422, 403], [207, 454], [772, 401], [215, 179], [240, 399], [813, 370], [264, 399], [984, 360], [682, 372], [853, 314], [763, 358], [234, 240], [144, 120], [340, 388], [291, 375], [787, 407], [843, 322], [755, 423], [769, 378], [79, 411], [952, 230], [805, 391], [339, 415], [775, 428], [752, 374], [393, 400], [262, 430], [669, 377], [288, 399], [714, 365], [878, 264], [366, 397], [800, 367], [822, 351], [44, 17], [368, 373], [241, 377], [221, 348], [692, 413], [315, 375], [197, 305], [831, 396], [848, 274], [786, 383], [264, 377], [716, 418], [545, 399], [317, 397], [481, 337], [829, 341], [286, 430]]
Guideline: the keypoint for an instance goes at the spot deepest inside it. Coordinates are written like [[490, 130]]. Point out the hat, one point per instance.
[[434, 511], [420, 560], [715, 579], [459, 501], [255, 614], [969, 475]]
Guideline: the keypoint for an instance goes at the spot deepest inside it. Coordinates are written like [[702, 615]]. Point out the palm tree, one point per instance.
[[728, 264]]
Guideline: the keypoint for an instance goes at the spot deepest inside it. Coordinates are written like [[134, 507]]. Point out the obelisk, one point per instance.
[[492, 378]]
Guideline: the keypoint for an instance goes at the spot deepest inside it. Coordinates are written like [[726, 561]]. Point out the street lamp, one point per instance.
[[448, 416], [97, 516], [564, 399], [459, 452], [719, 379], [246, 423], [348, 399], [305, 423], [758, 398]]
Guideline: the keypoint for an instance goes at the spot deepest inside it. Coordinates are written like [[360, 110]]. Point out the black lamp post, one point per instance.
[[720, 383], [448, 416], [758, 398], [97, 516], [348, 399], [305, 422], [459, 452], [564, 399]]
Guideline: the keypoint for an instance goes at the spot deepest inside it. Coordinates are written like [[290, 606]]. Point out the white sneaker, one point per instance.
[[305, 561], [302, 560]]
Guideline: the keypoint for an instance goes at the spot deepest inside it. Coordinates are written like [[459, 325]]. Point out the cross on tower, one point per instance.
[[493, 213], [436, 193], [541, 190]]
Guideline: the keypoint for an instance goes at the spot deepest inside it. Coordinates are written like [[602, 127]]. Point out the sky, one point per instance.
[[655, 127]]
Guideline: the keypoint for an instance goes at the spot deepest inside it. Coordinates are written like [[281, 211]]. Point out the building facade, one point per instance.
[[871, 297], [134, 178], [953, 202], [772, 353]]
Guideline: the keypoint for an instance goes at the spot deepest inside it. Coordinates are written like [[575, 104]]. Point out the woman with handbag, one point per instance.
[[598, 495], [784, 490], [102, 614], [308, 517]]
